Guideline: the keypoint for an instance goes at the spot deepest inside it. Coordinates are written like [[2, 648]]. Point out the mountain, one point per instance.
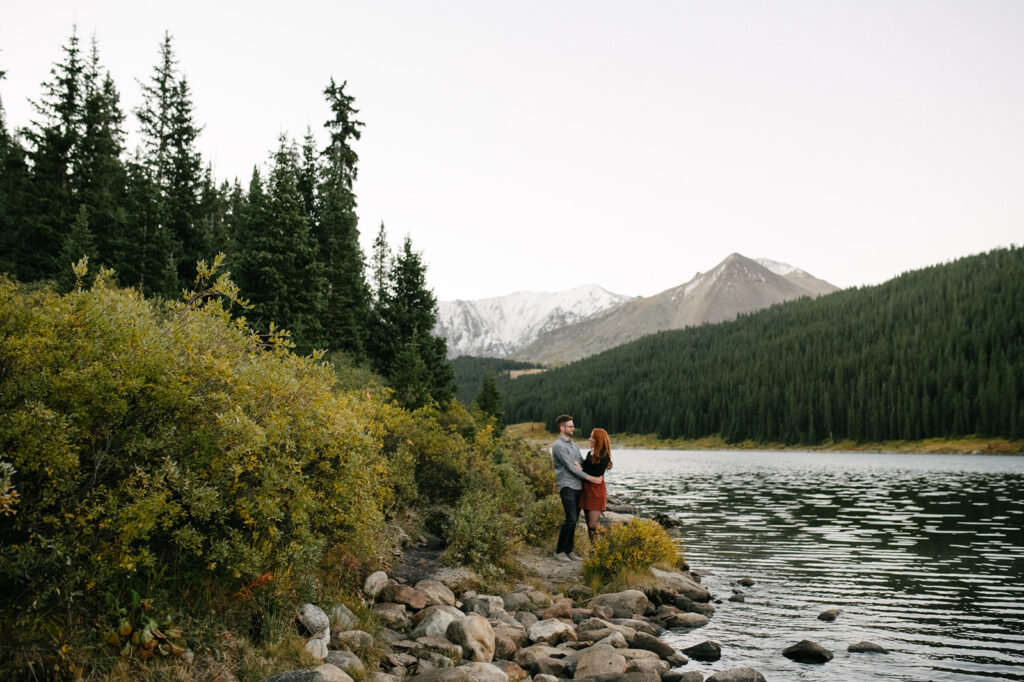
[[933, 353], [496, 327], [736, 285]]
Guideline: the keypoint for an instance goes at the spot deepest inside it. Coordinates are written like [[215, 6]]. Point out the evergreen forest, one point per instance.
[[933, 353], [70, 187]]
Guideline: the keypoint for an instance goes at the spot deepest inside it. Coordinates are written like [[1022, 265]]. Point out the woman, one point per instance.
[[594, 496]]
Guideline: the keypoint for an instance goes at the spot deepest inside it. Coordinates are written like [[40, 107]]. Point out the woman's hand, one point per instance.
[[595, 480], [578, 465]]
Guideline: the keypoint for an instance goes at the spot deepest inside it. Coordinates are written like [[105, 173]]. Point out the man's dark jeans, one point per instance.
[[570, 502]]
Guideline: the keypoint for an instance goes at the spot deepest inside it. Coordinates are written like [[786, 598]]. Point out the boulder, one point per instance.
[[353, 640], [437, 645], [391, 615], [343, 619], [378, 676], [562, 608], [614, 639], [517, 601], [705, 651], [806, 651], [737, 675], [648, 666], [403, 594], [331, 673], [374, 583], [347, 661], [470, 672], [434, 620], [514, 671], [639, 625], [746, 582], [866, 648], [680, 676], [317, 648], [691, 606], [648, 642], [686, 620], [829, 615], [527, 618], [474, 634], [738, 598], [486, 605], [315, 621], [437, 593], [518, 635], [552, 631], [504, 647], [683, 584], [623, 604], [541, 659], [600, 661]]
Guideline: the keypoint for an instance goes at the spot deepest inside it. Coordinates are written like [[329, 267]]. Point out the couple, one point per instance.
[[580, 482]]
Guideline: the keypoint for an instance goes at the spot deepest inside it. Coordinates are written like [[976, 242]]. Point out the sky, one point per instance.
[[540, 145]]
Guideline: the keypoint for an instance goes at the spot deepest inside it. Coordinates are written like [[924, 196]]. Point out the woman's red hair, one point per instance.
[[602, 446]]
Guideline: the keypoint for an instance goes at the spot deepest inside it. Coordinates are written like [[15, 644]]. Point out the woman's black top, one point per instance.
[[592, 468]]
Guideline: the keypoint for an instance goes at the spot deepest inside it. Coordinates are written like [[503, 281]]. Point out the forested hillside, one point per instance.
[[70, 187], [470, 372], [937, 352]]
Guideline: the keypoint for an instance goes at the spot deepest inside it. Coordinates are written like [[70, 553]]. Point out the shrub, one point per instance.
[[628, 548], [483, 536], [542, 520], [167, 448]]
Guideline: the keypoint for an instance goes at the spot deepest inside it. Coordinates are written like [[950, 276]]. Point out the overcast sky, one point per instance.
[[540, 145]]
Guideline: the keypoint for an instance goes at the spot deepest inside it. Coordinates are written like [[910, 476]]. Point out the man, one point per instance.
[[569, 479]]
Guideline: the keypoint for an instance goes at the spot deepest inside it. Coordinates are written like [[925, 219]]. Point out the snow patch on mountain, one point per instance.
[[496, 327]]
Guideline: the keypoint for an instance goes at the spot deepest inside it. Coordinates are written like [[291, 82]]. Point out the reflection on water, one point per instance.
[[924, 554]]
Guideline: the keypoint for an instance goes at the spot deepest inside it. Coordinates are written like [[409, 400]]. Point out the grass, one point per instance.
[[535, 433]]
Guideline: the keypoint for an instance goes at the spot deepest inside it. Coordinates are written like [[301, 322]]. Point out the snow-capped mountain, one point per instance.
[[496, 327], [736, 285]]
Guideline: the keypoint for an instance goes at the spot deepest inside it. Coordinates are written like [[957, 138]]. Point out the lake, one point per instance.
[[924, 554]]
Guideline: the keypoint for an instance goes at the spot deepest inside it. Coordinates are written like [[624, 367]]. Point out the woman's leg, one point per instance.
[[593, 518]]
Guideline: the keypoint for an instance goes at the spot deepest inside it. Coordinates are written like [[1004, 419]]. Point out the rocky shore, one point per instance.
[[552, 628]]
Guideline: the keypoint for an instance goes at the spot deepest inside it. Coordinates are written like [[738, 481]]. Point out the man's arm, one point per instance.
[[563, 454]]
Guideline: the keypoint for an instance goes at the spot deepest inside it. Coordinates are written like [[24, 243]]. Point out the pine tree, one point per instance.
[[77, 243], [14, 192], [347, 296], [489, 399]]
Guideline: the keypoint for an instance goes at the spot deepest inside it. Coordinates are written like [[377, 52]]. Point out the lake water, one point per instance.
[[924, 554]]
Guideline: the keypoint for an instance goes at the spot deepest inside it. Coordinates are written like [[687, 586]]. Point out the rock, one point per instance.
[[437, 645], [381, 677], [594, 629], [648, 666], [562, 608], [578, 591], [686, 620], [677, 659], [623, 604], [640, 676], [398, 659], [353, 640], [485, 605], [541, 659], [392, 615], [315, 621], [610, 517], [504, 647], [343, 619], [437, 593], [526, 618], [602, 612], [638, 625], [514, 671], [665, 521], [474, 634], [829, 615], [600, 661], [679, 676], [516, 601], [682, 583], [639, 655], [331, 673], [470, 672], [705, 651], [374, 583], [434, 620], [866, 648], [317, 648], [347, 661], [552, 631], [323, 673], [806, 651], [739, 598], [746, 582], [615, 640], [403, 594], [649, 642], [737, 675], [544, 678]]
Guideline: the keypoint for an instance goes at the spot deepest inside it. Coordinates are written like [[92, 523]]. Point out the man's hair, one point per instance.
[[562, 418]]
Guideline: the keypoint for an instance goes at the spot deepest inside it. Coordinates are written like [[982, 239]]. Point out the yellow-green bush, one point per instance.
[[161, 448], [628, 548], [541, 521], [483, 536]]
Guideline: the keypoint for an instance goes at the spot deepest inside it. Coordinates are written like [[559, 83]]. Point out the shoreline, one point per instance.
[[535, 433]]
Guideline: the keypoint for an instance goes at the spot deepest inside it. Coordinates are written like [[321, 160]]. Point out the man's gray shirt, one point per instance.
[[564, 453]]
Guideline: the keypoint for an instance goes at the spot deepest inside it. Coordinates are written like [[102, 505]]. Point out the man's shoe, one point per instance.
[[575, 557], [562, 557]]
